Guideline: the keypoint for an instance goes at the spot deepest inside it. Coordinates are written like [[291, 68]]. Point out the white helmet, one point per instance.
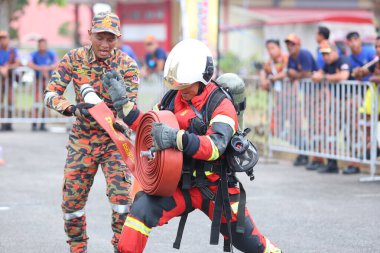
[[189, 61]]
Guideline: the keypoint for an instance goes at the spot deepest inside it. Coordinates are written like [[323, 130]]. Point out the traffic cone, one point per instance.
[[2, 161]]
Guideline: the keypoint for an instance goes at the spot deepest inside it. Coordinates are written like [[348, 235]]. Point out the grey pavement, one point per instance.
[[300, 211]]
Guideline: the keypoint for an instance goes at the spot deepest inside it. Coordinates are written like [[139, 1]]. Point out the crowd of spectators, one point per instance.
[[329, 66]]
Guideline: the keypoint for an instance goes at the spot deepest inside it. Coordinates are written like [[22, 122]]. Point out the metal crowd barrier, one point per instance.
[[256, 113], [336, 121], [21, 99], [151, 90]]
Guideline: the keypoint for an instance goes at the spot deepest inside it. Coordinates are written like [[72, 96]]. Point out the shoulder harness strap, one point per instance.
[[214, 100], [182, 222], [167, 102]]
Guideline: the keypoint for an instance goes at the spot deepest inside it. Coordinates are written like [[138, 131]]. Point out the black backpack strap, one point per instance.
[[188, 165], [222, 206], [241, 106], [197, 113], [167, 102], [227, 245], [214, 100], [240, 225], [182, 222]]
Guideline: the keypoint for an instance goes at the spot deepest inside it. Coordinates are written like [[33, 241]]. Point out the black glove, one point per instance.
[[122, 128], [115, 85], [80, 110], [165, 137]]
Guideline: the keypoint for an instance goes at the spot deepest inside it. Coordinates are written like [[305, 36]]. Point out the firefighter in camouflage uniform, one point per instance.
[[89, 145]]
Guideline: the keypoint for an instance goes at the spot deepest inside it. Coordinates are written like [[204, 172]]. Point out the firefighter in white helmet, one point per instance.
[[207, 121]]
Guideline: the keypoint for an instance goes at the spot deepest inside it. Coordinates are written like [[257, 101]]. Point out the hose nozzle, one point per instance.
[[148, 153]]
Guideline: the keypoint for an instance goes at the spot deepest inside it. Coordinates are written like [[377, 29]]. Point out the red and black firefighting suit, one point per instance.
[[150, 211], [89, 145]]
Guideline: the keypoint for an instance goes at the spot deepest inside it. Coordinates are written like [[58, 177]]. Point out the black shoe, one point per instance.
[[42, 127], [8, 127], [369, 153], [301, 160], [351, 170], [331, 167], [34, 127], [314, 165]]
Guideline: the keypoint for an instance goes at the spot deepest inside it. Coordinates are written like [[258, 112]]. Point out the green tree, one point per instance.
[[64, 29], [10, 8], [229, 62]]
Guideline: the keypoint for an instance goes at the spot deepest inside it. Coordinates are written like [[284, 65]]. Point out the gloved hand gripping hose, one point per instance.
[[158, 173]]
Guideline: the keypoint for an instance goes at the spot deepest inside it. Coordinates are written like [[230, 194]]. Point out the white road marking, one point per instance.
[[4, 208], [367, 195]]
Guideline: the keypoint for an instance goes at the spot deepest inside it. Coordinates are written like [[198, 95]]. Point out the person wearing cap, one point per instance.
[[336, 69], [89, 146], [301, 64], [43, 61], [9, 60], [155, 56], [360, 55]]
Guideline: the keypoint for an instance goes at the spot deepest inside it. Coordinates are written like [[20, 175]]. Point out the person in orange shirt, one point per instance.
[[275, 68], [271, 76]]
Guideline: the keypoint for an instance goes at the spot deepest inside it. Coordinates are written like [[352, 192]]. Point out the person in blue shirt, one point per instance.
[[43, 61], [127, 50], [360, 55], [301, 64], [155, 57], [322, 37], [8, 61], [336, 69]]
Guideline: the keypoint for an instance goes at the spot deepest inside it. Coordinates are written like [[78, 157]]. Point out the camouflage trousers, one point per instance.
[[81, 166]]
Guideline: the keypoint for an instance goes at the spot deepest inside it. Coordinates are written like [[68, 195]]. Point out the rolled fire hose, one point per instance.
[[156, 175], [160, 173]]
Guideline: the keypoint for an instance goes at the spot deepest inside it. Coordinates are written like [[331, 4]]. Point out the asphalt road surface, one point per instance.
[[300, 211]]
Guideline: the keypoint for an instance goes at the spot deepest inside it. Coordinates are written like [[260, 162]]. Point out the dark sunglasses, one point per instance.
[[290, 44]]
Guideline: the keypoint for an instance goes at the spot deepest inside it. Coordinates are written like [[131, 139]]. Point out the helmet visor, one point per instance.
[[172, 84]]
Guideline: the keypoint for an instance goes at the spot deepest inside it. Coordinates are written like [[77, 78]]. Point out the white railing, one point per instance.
[[318, 119], [326, 120], [21, 99]]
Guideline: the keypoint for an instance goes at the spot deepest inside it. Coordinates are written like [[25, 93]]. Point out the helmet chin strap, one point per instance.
[[200, 88], [209, 70]]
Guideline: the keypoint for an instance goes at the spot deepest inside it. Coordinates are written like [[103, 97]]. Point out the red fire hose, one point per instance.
[[104, 116], [158, 175]]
